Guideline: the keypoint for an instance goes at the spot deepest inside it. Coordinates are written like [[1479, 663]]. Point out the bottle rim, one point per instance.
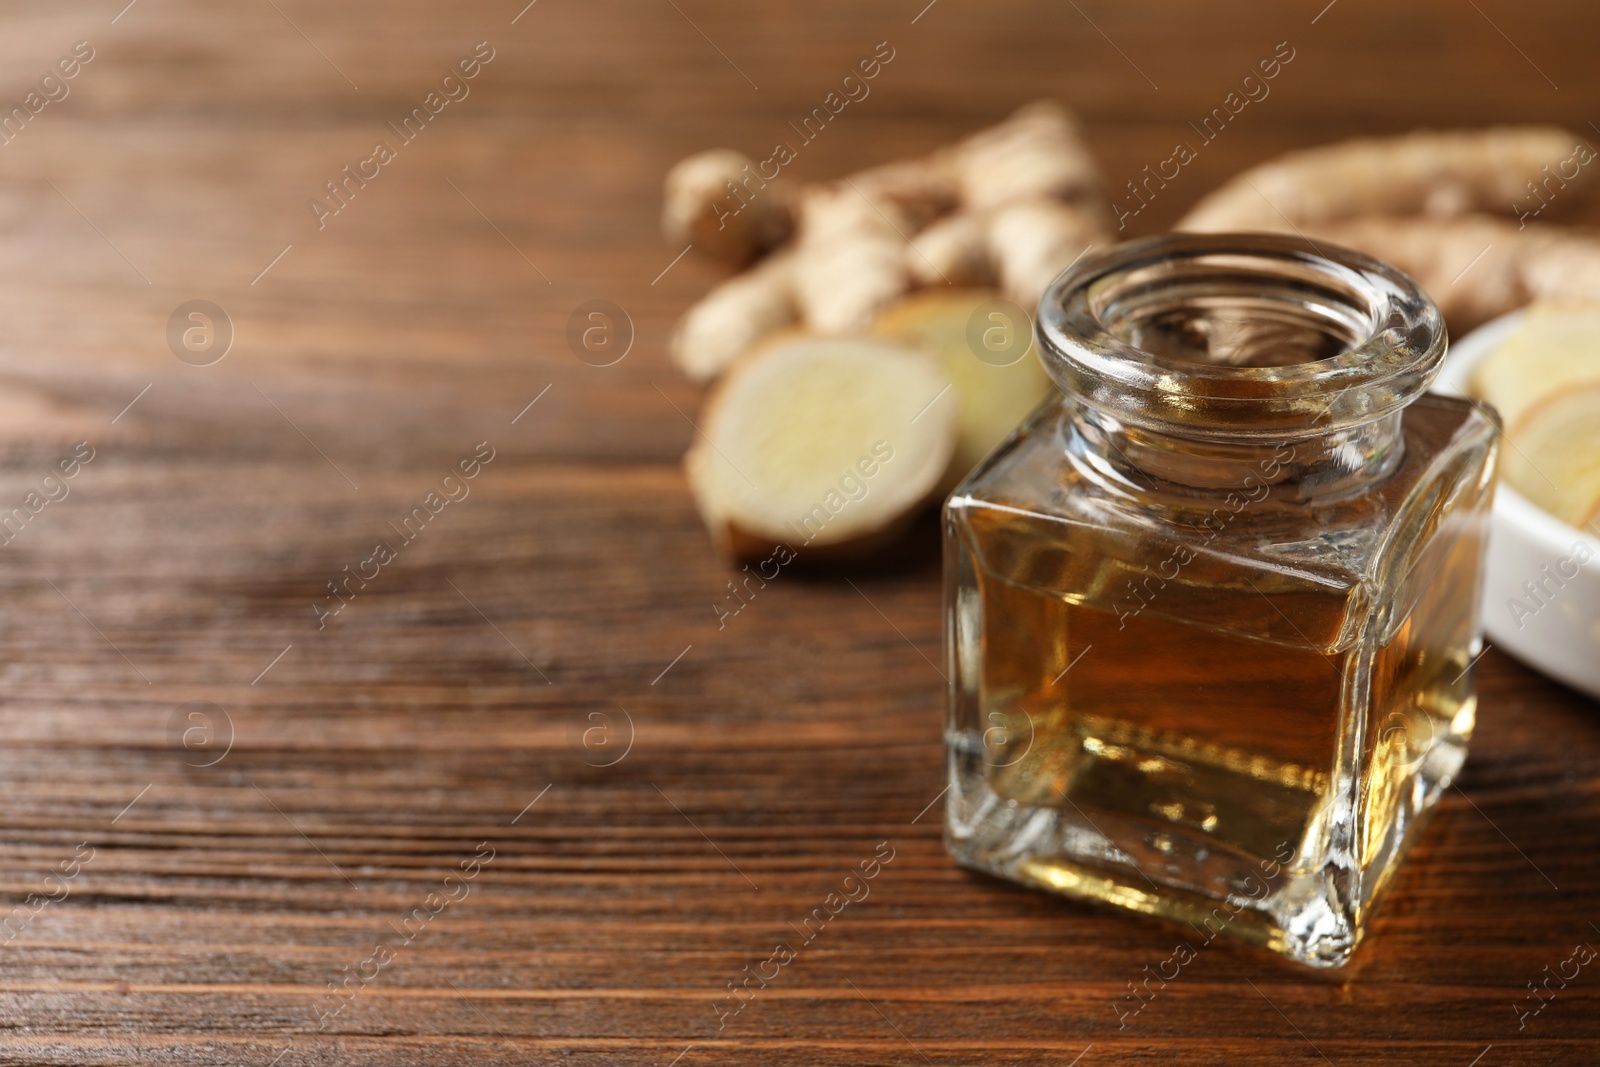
[[1392, 336]]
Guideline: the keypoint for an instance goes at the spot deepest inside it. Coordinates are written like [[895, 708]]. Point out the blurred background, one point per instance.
[[196, 136]]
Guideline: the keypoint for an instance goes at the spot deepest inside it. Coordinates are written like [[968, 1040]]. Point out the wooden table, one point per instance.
[[223, 812]]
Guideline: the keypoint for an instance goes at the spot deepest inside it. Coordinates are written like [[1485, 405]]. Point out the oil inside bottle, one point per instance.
[[1161, 744]]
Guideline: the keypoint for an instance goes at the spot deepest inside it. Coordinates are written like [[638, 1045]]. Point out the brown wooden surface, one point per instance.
[[775, 754]]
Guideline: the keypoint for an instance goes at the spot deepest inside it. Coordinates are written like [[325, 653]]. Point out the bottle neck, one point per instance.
[[1136, 461], [1200, 366]]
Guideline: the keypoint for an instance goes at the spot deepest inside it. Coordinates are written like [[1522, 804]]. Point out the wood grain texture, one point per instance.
[[501, 658]]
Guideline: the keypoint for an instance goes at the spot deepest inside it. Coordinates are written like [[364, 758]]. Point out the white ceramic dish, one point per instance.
[[1541, 595]]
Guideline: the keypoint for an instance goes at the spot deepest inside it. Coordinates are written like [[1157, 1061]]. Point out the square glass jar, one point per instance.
[[1211, 619]]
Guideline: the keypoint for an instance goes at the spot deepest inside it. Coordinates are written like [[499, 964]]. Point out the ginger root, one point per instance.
[[954, 251], [1038, 152], [1012, 204], [849, 259], [1032, 201], [1419, 201], [1477, 267], [733, 316], [918, 190], [1441, 174], [1032, 241], [789, 454], [715, 202]]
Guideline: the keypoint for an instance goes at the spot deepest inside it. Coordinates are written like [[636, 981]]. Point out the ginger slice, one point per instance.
[[1554, 460], [1545, 381], [1555, 349], [828, 446], [1438, 173], [996, 385]]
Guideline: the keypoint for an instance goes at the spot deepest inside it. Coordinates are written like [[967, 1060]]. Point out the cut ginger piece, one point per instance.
[[1545, 381], [1554, 348], [829, 446], [1554, 460], [996, 390]]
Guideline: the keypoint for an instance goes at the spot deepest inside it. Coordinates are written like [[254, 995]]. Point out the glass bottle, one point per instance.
[[1212, 618]]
